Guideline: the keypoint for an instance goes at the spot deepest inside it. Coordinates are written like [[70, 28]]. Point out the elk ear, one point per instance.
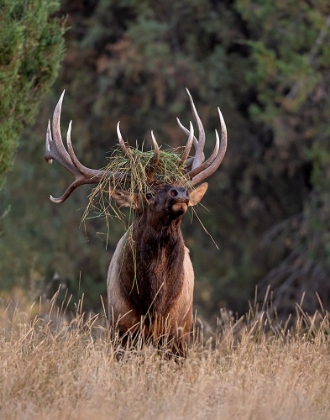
[[125, 198], [197, 194]]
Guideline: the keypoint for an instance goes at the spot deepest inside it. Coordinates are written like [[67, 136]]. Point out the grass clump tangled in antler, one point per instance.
[[134, 171]]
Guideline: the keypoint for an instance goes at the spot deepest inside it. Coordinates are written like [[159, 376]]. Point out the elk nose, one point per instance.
[[180, 193]]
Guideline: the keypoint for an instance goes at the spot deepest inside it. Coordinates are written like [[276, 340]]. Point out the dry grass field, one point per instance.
[[250, 369]]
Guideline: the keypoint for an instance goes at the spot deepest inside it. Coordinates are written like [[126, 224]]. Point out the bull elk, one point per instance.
[[149, 284]]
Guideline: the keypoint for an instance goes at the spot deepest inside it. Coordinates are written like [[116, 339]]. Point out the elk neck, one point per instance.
[[153, 265]]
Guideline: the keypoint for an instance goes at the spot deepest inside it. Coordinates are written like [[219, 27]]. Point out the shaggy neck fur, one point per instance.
[[152, 271]]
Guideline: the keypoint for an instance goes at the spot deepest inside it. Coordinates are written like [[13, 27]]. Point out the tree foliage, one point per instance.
[[31, 47], [290, 51]]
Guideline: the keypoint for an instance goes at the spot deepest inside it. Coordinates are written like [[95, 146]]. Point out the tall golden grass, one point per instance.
[[254, 368]]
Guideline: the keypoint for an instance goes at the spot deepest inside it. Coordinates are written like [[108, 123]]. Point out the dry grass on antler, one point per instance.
[[134, 179], [251, 369]]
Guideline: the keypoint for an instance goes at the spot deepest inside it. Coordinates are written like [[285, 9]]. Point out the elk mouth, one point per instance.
[[180, 207]]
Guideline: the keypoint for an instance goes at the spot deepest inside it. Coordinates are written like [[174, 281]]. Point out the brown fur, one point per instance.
[[150, 278]]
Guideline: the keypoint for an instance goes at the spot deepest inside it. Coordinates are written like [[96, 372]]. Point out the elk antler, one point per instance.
[[55, 149], [201, 169], [187, 149]]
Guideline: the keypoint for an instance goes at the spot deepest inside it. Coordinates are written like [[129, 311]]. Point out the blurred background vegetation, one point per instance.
[[265, 63]]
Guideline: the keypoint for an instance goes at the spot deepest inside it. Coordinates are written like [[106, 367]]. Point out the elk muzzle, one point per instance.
[[179, 200]]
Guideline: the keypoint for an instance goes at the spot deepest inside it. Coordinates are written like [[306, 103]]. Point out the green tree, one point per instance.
[[31, 47], [290, 74]]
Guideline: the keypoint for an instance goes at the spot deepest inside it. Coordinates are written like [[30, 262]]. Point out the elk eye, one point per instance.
[[148, 196]]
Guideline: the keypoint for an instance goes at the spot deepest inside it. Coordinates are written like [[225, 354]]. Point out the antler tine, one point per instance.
[[205, 173], [155, 160], [156, 149], [70, 189], [186, 131], [95, 174], [195, 142], [122, 143], [199, 156], [187, 149], [54, 148], [208, 162], [48, 145]]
